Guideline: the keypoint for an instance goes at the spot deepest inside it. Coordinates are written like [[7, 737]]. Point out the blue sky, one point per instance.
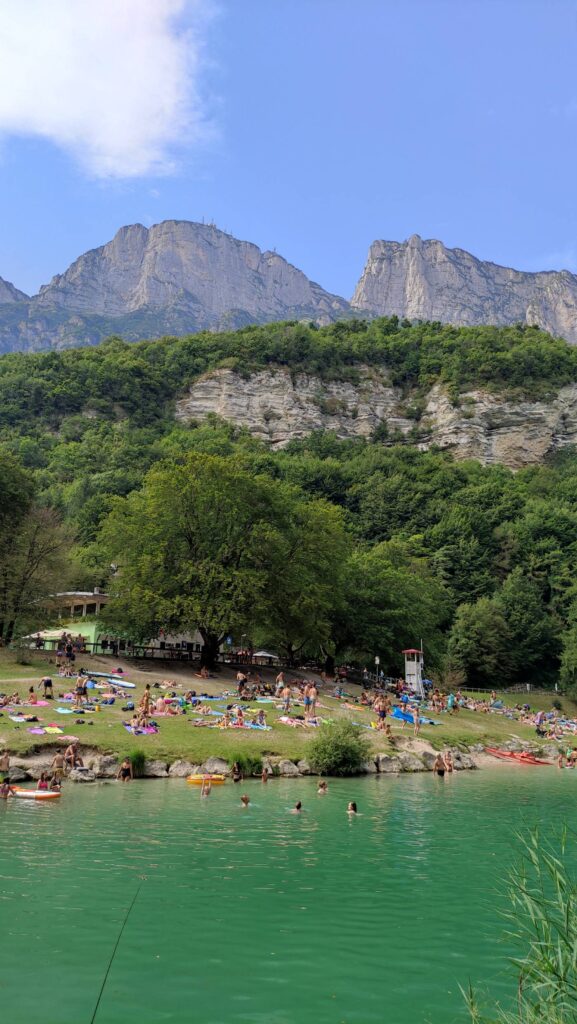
[[309, 126]]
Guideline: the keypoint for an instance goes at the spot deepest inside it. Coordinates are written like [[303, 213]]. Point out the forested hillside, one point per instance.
[[352, 548]]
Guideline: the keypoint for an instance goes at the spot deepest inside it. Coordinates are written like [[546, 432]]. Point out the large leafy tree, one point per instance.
[[205, 545], [302, 594], [390, 601], [31, 570]]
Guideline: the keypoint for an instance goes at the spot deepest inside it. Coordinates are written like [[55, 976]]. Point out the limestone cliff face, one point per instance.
[[193, 267], [423, 280], [177, 277], [10, 294], [277, 406]]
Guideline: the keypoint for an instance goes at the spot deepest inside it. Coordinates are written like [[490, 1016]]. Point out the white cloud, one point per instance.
[[113, 82]]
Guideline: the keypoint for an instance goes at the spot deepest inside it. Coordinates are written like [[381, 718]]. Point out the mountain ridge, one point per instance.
[[180, 277]]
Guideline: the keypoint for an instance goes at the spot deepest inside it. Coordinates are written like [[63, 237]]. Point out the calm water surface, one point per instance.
[[259, 916]]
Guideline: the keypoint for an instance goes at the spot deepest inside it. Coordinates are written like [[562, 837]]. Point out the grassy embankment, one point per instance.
[[177, 738]]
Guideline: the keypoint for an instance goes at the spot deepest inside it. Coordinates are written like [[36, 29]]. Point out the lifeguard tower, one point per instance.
[[414, 661]]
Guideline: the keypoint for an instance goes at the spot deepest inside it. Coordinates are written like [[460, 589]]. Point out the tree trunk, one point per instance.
[[10, 632], [209, 653], [329, 665]]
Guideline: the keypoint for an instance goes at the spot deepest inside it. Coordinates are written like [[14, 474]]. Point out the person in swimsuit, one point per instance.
[[439, 766], [286, 699], [72, 758], [264, 774], [5, 764], [206, 788], [352, 808], [322, 789], [125, 771], [57, 766], [449, 761], [54, 784], [42, 781], [32, 698], [46, 684], [236, 772], [145, 701], [297, 808], [313, 695], [6, 790], [244, 800]]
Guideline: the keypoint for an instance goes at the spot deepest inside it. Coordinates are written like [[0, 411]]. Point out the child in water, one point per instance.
[[352, 808]]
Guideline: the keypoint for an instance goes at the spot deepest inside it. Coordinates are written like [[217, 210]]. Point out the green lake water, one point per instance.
[[261, 916]]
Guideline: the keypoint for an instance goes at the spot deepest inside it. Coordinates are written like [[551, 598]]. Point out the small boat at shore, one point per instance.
[[215, 780], [518, 757]]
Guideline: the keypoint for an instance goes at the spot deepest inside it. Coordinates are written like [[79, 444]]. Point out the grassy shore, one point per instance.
[[179, 739]]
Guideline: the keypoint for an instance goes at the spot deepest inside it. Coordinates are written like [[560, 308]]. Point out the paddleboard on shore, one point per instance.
[[114, 680]]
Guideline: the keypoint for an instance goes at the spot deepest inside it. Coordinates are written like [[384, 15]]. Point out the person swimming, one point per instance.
[[322, 788], [244, 800], [297, 808], [352, 808]]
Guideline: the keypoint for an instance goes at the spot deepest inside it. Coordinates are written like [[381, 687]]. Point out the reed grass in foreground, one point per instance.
[[542, 922]]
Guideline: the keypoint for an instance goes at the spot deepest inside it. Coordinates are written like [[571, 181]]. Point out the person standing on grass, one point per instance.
[[313, 697], [145, 701], [416, 720], [286, 698]]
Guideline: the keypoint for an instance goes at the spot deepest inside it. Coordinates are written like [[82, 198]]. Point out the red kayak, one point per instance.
[[520, 757]]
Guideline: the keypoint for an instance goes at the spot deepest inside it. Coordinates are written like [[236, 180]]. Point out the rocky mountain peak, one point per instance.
[[194, 267], [10, 294], [422, 279]]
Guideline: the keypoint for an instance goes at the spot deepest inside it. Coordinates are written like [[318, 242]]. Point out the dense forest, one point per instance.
[[329, 547]]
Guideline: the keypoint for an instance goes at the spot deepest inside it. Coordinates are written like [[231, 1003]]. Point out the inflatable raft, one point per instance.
[[35, 794], [518, 757], [215, 780]]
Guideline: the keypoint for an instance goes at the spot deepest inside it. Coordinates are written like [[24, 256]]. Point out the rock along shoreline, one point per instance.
[[105, 766]]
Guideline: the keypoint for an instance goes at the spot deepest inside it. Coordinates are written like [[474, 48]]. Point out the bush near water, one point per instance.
[[338, 748]]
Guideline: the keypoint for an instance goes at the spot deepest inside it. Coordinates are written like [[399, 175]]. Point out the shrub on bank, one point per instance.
[[249, 764], [338, 749], [137, 760]]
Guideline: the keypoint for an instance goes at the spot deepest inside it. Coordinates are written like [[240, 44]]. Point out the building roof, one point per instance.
[[412, 650]]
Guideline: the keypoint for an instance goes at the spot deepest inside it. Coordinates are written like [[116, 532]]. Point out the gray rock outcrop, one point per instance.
[[10, 294], [287, 768], [78, 775], [277, 406], [423, 280], [214, 766], [154, 769], [182, 769]]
